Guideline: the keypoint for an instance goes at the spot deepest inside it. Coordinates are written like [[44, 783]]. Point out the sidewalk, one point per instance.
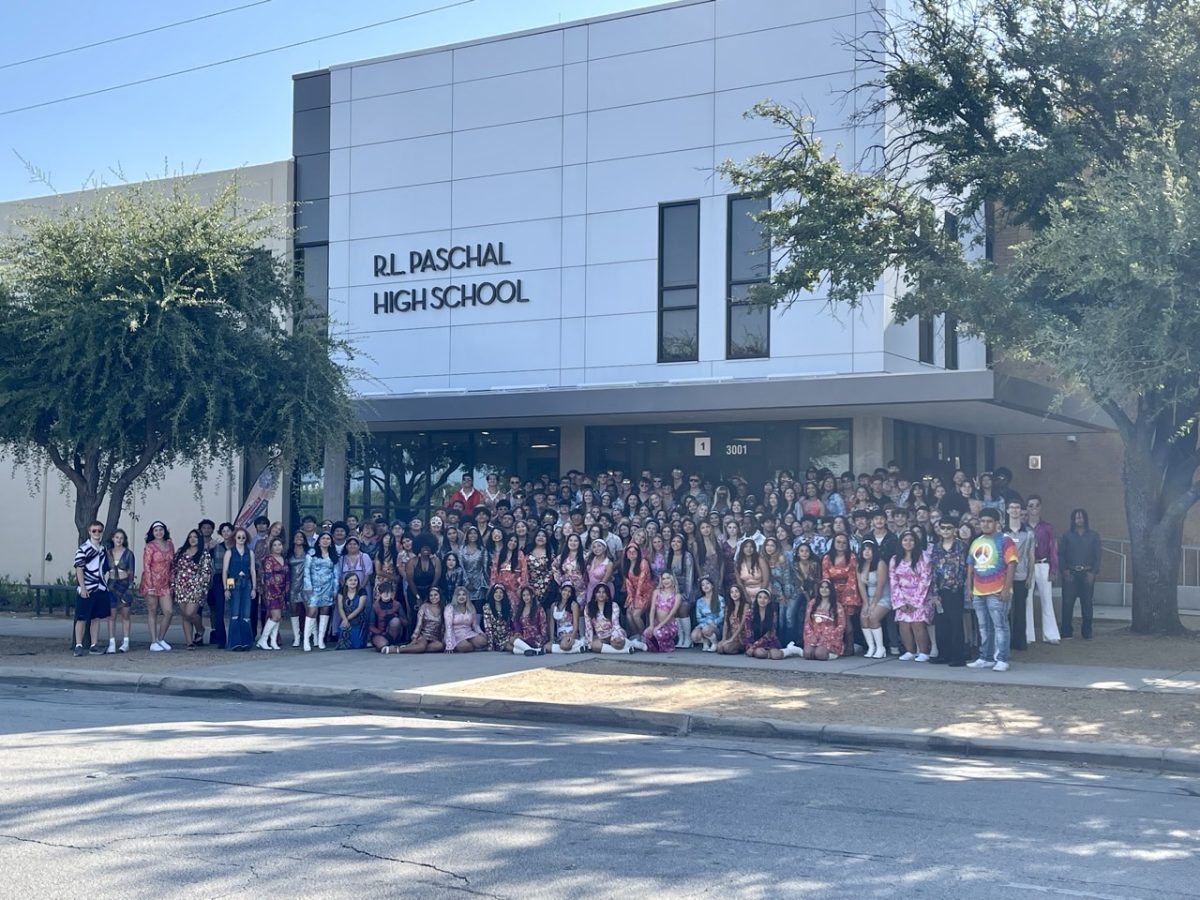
[[1076, 713]]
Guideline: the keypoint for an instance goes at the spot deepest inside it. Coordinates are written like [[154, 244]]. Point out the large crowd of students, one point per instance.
[[821, 567]]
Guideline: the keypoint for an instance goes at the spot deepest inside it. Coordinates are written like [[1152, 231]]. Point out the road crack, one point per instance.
[[465, 887], [24, 840]]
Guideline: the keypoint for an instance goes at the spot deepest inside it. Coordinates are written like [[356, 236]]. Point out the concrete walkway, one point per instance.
[[420, 685], [359, 669]]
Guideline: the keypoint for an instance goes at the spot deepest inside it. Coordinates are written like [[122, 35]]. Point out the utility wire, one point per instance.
[[132, 34], [232, 59]]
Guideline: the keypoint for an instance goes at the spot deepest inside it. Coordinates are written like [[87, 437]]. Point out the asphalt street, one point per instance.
[[119, 795]]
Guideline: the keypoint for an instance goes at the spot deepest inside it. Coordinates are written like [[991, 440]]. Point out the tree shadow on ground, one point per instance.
[[230, 798]]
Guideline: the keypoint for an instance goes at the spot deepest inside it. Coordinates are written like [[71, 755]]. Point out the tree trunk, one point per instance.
[[87, 511], [1156, 542]]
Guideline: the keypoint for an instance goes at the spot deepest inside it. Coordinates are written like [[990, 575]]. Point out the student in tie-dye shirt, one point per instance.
[[991, 567]]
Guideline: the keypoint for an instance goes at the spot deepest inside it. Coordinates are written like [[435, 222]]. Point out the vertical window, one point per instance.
[[925, 339], [748, 262], [950, 324], [679, 282]]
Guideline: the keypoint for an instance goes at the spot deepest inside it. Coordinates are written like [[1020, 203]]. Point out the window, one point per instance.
[[950, 325], [925, 339], [405, 474], [748, 262], [679, 282], [924, 450]]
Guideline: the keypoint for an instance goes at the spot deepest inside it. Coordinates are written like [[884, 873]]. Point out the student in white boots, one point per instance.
[[275, 576], [320, 584], [564, 614], [710, 614], [602, 623], [528, 625], [875, 591]]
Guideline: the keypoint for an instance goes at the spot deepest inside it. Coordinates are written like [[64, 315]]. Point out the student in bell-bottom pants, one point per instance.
[[1043, 587]]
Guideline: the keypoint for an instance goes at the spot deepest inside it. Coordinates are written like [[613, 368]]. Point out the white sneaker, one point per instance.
[[980, 663], [157, 647], [124, 648], [112, 645], [163, 645], [907, 657], [1000, 667], [922, 657]]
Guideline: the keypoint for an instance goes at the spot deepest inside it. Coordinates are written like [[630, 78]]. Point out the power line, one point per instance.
[[132, 34], [232, 59]]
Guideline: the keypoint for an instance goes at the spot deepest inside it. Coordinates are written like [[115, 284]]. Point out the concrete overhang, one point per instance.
[[980, 402]]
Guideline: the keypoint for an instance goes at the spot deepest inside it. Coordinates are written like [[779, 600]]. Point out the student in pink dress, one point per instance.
[[463, 634], [910, 575], [155, 587], [660, 635], [824, 633]]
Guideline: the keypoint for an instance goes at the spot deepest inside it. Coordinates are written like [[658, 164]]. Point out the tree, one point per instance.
[[144, 328], [1075, 122]]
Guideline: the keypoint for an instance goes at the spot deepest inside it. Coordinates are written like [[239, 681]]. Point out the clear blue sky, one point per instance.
[[218, 118]]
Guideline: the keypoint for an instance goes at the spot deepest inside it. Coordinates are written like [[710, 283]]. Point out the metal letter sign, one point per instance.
[[704, 446]]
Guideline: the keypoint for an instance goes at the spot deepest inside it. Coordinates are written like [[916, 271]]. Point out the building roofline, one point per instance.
[[544, 29]]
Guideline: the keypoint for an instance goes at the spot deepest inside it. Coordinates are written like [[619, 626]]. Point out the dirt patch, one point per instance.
[[1114, 644], [962, 710]]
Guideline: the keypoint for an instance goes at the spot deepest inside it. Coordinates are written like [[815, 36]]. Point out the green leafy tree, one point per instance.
[[145, 328], [1076, 124]]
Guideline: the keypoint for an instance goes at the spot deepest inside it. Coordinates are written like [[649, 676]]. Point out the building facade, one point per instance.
[[528, 239]]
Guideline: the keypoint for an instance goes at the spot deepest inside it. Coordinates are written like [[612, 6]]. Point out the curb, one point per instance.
[[631, 720]]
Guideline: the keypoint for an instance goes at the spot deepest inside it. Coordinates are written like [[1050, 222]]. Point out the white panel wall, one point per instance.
[[562, 144]]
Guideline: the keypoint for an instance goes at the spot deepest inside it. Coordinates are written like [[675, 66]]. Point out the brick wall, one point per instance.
[[1085, 473]]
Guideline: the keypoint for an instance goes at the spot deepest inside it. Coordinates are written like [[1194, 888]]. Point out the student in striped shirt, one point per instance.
[[92, 605]]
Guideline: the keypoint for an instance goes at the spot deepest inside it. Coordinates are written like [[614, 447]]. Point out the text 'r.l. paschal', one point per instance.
[[443, 259]]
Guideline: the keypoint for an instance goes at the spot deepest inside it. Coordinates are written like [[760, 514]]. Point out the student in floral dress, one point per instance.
[[538, 566], [509, 568], [824, 634], [528, 626], [910, 575], [570, 566], [660, 635], [276, 579], [760, 628], [841, 567], [497, 611], [602, 623], [190, 574], [462, 631]]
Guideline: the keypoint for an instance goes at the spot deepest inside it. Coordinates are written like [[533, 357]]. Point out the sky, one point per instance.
[[216, 118]]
